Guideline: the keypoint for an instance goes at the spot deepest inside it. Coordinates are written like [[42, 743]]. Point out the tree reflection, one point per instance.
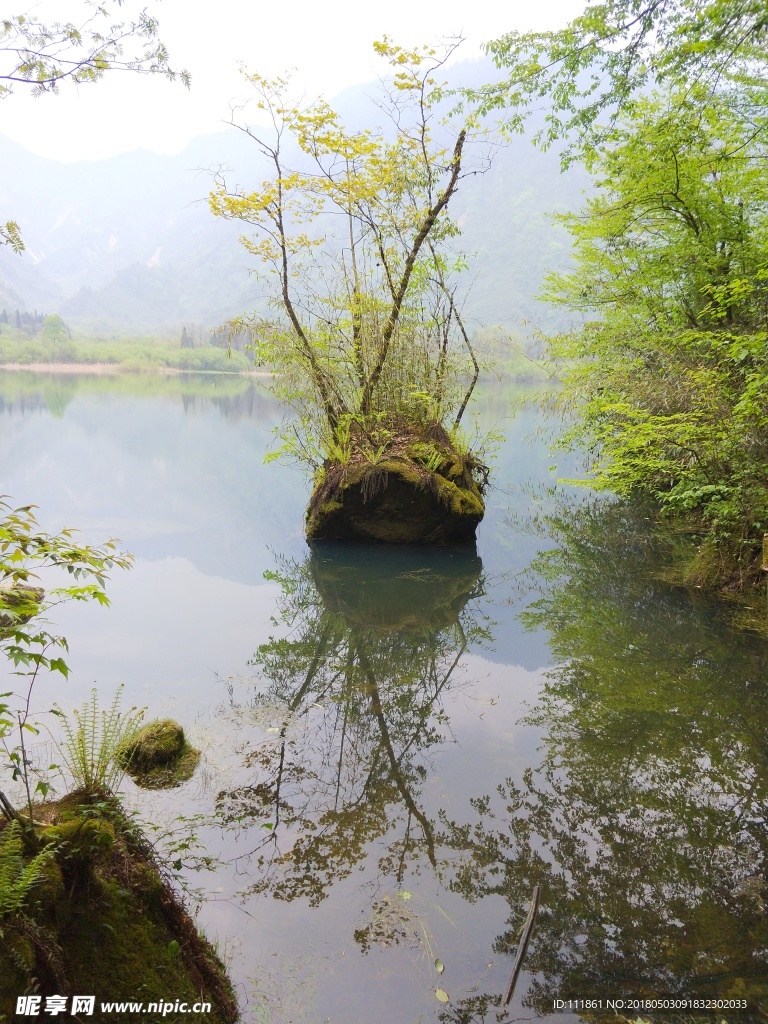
[[645, 823], [371, 644]]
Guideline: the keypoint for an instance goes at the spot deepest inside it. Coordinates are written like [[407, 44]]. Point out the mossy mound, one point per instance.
[[103, 919], [158, 755], [419, 491]]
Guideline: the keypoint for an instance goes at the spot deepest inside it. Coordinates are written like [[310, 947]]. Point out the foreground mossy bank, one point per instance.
[[86, 909], [418, 490]]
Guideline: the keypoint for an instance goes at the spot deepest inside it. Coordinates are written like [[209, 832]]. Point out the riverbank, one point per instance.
[[90, 910]]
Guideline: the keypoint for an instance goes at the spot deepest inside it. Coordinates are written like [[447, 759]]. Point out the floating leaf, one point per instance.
[[439, 966], [404, 894], [441, 995]]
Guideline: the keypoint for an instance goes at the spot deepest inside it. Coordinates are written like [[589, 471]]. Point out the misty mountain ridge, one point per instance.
[[128, 245]]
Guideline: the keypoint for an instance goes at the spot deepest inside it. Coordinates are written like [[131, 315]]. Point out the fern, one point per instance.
[[88, 749], [16, 876]]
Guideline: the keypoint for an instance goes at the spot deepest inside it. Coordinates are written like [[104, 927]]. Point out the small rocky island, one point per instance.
[[369, 348], [420, 490]]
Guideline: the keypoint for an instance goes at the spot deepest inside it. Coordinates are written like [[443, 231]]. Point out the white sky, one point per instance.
[[327, 41]]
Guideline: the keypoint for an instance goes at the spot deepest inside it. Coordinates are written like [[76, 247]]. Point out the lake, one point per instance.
[[398, 745]]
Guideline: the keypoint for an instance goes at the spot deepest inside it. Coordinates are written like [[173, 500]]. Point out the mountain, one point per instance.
[[128, 245]]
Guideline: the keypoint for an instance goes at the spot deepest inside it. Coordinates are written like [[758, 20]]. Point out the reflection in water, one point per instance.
[[234, 397], [643, 815], [356, 684], [645, 824]]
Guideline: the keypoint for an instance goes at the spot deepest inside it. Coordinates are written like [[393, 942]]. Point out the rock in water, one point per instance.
[[397, 501], [158, 756]]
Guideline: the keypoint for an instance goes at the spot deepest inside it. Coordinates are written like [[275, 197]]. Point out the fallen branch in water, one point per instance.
[[522, 946]]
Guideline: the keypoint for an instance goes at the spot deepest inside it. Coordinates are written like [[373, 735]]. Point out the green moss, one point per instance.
[[154, 744], [316, 517], [17, 955], [18, 603], [121, 950], [49, 890], [125, 936], [158, 755], [80, 839]]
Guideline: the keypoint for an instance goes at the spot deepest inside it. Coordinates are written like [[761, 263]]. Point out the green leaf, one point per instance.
[[441, 995]]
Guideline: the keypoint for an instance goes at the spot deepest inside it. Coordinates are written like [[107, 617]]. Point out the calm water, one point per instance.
[[398, 745]]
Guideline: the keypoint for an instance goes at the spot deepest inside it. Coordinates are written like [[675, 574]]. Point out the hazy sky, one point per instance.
[[328, 42]]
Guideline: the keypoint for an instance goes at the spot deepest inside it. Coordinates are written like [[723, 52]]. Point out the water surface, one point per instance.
[[400, 744]]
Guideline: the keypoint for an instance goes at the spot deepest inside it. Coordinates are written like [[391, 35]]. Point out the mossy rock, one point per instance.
[[126, 937], [396, 501], [158, 756], [49, 890]]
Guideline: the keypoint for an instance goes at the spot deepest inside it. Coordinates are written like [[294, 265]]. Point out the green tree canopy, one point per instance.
[[616, 50], [672, 279]]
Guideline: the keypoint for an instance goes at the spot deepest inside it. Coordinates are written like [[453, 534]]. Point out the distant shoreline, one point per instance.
[[105, 369]]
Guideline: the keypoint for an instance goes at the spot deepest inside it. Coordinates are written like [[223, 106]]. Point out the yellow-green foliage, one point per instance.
[[90, 749], [667, 391], [359, 248]]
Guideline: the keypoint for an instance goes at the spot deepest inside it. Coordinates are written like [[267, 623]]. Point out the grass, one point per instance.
[[136, 354]]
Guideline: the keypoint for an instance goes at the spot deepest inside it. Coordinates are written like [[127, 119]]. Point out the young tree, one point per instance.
[[25, 643], [369, 344]]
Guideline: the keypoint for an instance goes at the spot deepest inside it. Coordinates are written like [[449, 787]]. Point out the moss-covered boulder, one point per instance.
[[158, 755], [419, 491], [117, 930]]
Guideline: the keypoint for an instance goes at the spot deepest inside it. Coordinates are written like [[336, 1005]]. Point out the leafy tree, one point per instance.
[[672, 278], [356, 240], [54, 329], [616, 50], [39, 57]]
